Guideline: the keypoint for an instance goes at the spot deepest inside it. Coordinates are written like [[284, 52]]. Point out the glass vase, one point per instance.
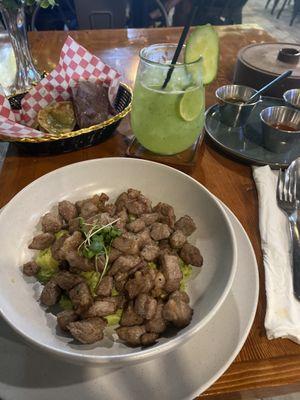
[[13, 13]]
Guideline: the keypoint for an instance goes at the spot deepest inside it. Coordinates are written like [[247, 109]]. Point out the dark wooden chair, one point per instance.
[[284, 4], [296, 11], [216, 12], [267, 3], [104, 14], [275, 4]]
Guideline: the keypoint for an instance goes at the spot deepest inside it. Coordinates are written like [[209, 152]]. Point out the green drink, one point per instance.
[[157, 122], [167, 121]]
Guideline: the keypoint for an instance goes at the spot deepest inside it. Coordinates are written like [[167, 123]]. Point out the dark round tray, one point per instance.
[[247, 144], [78, 139]]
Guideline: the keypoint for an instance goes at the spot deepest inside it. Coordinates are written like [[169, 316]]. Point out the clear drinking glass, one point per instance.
[[167, 121]]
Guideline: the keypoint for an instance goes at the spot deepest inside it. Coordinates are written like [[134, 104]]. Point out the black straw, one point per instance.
[[180, 44], [271, 84]]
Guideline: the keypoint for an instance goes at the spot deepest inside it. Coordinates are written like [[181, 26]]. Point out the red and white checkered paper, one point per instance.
[[75, 64]]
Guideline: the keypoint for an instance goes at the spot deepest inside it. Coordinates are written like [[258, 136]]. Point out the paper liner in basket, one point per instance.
[[75, 64]]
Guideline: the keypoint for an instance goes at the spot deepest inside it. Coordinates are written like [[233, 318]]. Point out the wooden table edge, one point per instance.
[[261, 378]]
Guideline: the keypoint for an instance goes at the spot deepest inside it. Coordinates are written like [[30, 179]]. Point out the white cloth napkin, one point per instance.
[[283, 310]]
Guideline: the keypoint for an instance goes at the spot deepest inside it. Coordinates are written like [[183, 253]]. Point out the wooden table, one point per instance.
[[263, 367]]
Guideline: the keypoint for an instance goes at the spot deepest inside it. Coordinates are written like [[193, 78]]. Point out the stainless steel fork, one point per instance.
[[287, 201]]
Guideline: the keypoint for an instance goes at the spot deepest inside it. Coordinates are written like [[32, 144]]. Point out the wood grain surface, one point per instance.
[[263, 367]]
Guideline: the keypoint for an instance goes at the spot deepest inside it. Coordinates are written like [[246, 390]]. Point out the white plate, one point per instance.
[[214, 237], [28, 374]]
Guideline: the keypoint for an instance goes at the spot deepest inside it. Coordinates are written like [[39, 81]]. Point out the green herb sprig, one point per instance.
[[97, 242]]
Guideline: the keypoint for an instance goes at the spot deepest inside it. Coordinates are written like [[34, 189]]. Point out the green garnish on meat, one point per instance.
[[65, 302], [61, 233], [114, 319], [48, 265], [97, 243], [114, 292], [186, 274], [131, 217], [92, 279], [152, 265]]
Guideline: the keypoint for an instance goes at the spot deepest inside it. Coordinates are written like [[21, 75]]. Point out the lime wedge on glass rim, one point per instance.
[[203, 42], [191, 104]]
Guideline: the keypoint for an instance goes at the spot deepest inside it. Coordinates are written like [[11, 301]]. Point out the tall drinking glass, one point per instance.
[[167, 121]]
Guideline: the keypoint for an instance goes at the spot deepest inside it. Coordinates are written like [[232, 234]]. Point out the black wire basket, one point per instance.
[[75, 140]]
